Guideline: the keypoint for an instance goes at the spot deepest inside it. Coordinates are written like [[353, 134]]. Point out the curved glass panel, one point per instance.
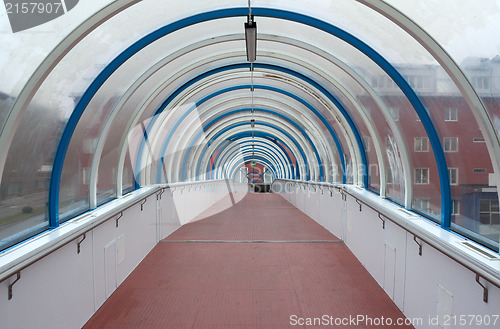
[[24, 51], [237, 124], [100, 108], [473, 44], [117, 119], [259, 95], [157, 82], [453, 119], [427, 184], [24, 185]]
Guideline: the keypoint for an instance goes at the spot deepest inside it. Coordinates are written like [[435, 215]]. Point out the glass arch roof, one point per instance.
[[395, 97]]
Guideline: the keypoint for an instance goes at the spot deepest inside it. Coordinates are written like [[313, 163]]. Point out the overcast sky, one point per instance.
[[464, 27]]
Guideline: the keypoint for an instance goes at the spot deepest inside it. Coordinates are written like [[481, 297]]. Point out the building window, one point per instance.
[[455, 207], [14, 188], [389, 179], [451, 144], [480, 170], [366, 143], [394, 111], [421, 204], [481, 83], [126, 177], [478, 140], [453, 173], [42, 184], [422, 176], [450, 114], [383, 81], [89, 145], [421, 144], [419, 81], [489, 213], [413, 81], [426, 110], [86, 176]]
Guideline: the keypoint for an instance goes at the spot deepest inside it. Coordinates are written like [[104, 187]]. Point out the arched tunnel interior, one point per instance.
[[377, 119]]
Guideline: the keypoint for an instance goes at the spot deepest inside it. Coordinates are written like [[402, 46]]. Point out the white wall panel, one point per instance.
[[392, 257], [55, 292], [64, 289]]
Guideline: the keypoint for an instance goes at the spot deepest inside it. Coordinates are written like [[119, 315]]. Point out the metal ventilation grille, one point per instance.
[[484, 253]]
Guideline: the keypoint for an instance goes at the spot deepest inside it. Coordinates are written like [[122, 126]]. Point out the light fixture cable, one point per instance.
[[252, 112], [251, 46], [252, 89], [249, 11]]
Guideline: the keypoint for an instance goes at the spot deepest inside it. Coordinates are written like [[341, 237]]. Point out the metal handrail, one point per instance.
[[487, 276], [478, 271], [18, 267]]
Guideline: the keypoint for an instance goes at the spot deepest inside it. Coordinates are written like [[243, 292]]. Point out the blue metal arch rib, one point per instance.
[[257, 159], [288, 119], [248, 159], [169, 99], [258, 151], [243, 11], [246, 147], [273, 139], [265, 148], [222, 131]]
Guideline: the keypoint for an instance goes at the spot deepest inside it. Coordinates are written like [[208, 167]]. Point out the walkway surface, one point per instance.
[[259, 264]]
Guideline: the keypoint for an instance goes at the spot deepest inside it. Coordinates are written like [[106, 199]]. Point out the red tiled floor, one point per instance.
[[257, 217], [246, 284]]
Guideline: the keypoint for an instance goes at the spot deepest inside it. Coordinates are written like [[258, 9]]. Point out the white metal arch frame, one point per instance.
[[179, 102], [344, 125], [96, 156], [139, 82], [383, 166], [364, 115], [386, 10], [223, 124], [451, 67], [407, 172], [146, 181], [236, 149], [242, 143], [283, 165], [233, 153], [177, 162], [247, 153], [221, 142], [279, 102], [231, 167], [295, 151], [235, 167], [154, 69], [244, 119], [207, 115], [120, 176]]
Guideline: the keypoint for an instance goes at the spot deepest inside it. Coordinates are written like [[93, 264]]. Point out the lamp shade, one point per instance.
[[251, 39]]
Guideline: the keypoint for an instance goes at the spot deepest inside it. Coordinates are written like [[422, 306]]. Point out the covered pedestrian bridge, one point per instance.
[[362, 133]]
